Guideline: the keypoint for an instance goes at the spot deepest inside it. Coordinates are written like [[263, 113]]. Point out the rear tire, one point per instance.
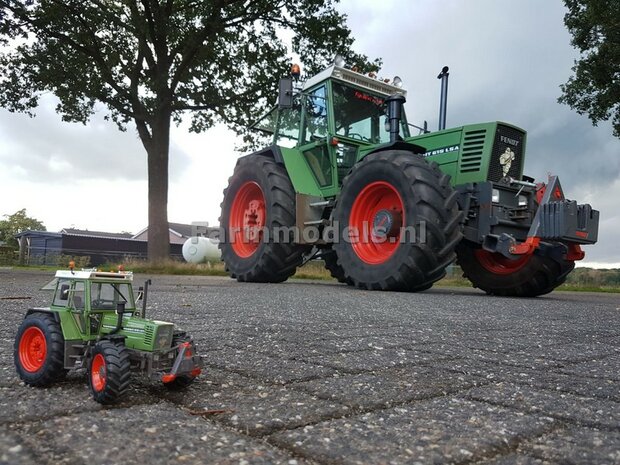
[[531, 276], [109, 372], [399, 192], [260, 195], [39, 350]]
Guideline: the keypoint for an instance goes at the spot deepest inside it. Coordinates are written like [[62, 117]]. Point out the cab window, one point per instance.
[[359, 115], [315, 115], [106, 296], [76, 298], [288, 127], [61, 298], [267, 123]]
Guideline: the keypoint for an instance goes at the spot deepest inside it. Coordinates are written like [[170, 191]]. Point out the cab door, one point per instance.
[[315, 140]]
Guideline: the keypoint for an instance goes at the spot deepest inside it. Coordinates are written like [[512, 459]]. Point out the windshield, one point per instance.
[[359, 114], [105, 296]]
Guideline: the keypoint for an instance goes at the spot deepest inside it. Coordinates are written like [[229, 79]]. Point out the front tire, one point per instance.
[[335, 270], [528, 276], [407, 221], [259, 198], [109, 372], [39, 350]]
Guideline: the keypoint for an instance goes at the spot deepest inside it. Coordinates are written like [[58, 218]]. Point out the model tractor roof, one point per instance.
[[349, 76], [94, 275]]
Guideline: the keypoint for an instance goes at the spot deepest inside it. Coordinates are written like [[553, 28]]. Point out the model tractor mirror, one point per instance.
[[285, 96]]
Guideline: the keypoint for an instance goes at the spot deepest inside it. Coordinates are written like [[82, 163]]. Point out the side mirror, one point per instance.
[[285, 96], [64, 292]]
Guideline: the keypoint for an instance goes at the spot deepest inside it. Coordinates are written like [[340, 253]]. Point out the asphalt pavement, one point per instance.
[[320, 373]]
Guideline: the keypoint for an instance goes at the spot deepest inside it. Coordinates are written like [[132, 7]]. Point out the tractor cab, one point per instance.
[[86, 297], [330, 117]]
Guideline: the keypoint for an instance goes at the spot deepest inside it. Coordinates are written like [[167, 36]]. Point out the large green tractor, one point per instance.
[[94, 324], [345, 181]]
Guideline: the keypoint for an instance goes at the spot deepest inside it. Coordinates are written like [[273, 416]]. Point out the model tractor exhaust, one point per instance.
[[346, 181], [93, 323]]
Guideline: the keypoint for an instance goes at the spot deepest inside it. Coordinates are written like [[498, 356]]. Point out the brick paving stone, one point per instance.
[[581, 410], [155, 434], [389, 387], [446, 430]]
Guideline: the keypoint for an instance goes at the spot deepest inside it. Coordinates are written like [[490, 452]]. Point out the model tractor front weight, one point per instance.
[[93, 324]]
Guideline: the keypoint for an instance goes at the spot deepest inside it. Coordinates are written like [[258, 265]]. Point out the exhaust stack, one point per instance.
[[443, 99]]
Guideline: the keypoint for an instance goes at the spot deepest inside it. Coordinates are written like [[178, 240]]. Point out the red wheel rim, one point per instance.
[[98, 373], [374, 198], [498, 264], [247, 219], [32, 349]]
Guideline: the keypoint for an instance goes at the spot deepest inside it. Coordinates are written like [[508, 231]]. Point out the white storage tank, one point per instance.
[[201, 249]]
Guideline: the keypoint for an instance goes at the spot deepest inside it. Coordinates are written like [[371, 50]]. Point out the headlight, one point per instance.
[[522, 201], [495, 196], [164, 338]]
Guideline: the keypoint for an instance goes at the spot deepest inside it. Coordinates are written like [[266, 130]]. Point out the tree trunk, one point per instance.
[[158, 155]]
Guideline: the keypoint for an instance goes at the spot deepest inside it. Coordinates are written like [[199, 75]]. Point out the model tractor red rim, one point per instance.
[[98, 373], [377, 203], [247, 219], [32, 349], [498, 264]]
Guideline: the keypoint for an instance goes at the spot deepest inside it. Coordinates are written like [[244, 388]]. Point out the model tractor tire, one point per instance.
[[39, 350], [109, 372], [398, 223], [530, 276], [259, 198]]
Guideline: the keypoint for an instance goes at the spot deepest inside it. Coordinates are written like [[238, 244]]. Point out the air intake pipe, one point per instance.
[[395, 114]]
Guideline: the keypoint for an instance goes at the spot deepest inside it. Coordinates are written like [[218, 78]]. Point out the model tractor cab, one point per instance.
[[94, 323], [345, 180]]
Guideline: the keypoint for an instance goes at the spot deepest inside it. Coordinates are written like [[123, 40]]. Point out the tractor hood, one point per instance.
[[141, 334]]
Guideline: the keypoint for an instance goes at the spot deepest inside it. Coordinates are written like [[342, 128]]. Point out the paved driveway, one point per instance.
[[321, 373]]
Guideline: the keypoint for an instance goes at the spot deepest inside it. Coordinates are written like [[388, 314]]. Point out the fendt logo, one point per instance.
[[509, 141]]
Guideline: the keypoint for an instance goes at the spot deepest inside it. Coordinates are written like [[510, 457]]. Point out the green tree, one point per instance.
[[594, 89], [150, 61], [16, 223]]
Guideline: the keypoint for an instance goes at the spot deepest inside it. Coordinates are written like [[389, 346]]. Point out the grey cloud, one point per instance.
[[52, 151]]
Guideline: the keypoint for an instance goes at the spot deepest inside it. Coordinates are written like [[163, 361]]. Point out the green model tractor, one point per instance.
[[93, 323], [346, 181]]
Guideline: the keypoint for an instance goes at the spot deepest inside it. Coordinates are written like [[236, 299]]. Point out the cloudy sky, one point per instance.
[[506, 58]]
